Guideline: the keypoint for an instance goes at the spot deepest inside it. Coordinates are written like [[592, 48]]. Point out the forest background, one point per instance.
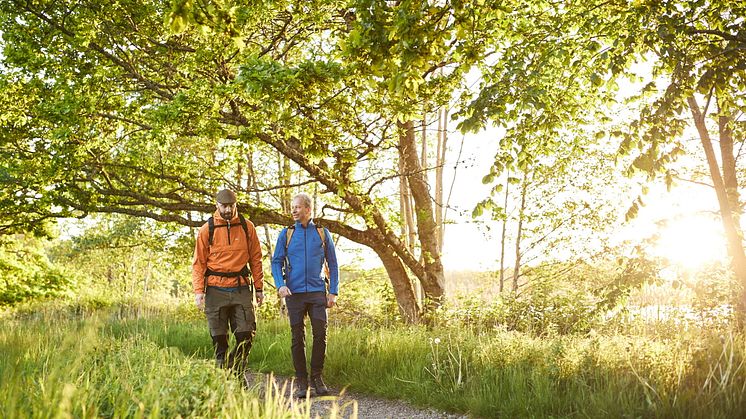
[[548, 170]]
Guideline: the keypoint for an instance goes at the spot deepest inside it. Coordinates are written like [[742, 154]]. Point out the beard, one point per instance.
[[227, 215]]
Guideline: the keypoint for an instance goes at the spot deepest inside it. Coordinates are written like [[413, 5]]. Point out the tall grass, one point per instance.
[[102, 366], [159, 364], [510, 374]]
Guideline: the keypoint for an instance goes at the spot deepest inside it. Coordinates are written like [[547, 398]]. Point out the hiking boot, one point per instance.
[[301, 387], [319, 386]]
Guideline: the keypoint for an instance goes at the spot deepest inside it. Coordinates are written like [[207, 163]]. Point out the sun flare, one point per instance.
[[691, 242]]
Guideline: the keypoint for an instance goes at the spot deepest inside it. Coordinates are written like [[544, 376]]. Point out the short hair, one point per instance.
[[305, 199]]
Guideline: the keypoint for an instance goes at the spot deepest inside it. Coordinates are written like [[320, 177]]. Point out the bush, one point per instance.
[[539, 310]]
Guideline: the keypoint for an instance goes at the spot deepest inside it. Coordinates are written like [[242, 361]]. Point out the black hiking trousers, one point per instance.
[[314, 305]]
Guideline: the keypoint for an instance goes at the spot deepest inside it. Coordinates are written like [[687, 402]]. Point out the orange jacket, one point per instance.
[[226, 257]]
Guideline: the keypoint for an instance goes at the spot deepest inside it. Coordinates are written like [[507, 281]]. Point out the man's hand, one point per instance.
[[284, 291], [199, 301], [331, 299], [259, 298]]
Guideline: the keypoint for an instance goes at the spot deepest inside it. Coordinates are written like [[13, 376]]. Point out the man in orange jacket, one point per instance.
[[220, 279]]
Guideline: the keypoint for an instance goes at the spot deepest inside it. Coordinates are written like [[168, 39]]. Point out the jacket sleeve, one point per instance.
[[199, 262], [331, 259], [255, 257], [278, 259]]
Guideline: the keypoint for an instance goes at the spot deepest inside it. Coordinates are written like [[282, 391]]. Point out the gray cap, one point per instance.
[[226, 196]]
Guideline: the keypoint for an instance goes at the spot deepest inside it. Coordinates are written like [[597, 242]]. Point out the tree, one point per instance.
[[26, 273], [562, 67], [558, 208], [126, 258], [110, 112], [698, 50]]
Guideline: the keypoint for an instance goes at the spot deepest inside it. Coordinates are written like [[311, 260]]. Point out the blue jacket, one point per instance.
[[301, 266]]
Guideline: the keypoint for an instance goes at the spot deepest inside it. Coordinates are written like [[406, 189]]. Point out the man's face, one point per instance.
[[300, 212], [227, 211]]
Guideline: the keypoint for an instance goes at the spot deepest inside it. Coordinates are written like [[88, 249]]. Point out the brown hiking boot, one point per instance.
[[301, 387], [319, 386]]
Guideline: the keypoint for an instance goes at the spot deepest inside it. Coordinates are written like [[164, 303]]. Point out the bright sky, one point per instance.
[[685, 218], [690, 231], [689, 227]]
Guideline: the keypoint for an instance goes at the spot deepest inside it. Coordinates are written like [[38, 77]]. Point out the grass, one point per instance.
[[103, 366], [159, 365]]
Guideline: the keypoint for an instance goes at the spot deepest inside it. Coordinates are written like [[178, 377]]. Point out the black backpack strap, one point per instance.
[[243, 272], [211, 227], [288, 235], [245, 228]]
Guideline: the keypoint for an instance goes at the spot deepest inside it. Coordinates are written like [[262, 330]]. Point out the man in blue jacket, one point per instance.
[[298, 267]]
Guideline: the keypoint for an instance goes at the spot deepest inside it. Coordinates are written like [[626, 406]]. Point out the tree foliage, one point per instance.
[[146, 108], [27, 274], [565, 62], [123, 258]]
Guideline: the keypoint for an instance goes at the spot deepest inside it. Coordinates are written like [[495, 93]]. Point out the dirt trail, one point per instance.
[[347, 403]]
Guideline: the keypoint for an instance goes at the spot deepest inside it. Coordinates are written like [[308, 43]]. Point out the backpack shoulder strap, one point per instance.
[[211, 228], [245, 227], [325, 270], [320, 230], [289, 235]]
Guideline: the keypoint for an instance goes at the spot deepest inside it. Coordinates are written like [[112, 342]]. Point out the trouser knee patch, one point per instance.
[[244, 337], [220, 342]]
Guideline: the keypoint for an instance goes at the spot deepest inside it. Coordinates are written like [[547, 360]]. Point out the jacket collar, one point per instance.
[[220, 220], [299, 225]]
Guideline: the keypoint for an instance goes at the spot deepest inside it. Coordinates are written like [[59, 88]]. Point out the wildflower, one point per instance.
[[437, 341]]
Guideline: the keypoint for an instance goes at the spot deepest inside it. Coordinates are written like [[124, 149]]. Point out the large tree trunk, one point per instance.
[[408, 231], [433, 280], [732, 229], [730, 179], [406, 299]]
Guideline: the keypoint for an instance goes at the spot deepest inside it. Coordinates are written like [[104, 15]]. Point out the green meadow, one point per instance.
[[157, 363]]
